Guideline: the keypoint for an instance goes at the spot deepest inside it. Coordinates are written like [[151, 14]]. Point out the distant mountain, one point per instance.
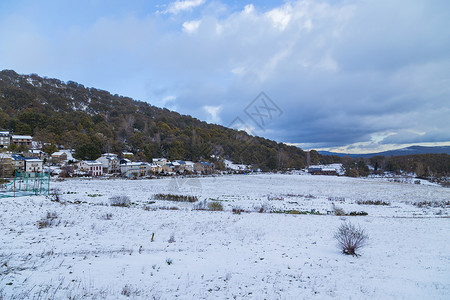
[[398, 152], [94, 121]]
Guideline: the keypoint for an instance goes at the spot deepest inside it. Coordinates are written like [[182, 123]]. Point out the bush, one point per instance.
[[122, 201], [215, 206], [350, 238], [50, 220], [237, 210]]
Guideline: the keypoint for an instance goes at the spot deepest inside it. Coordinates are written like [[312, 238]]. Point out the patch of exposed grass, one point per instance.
[[371, 202]]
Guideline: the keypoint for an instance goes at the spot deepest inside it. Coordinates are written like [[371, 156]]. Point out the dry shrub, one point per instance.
[[49, 221], [350, 238], [215, 206]]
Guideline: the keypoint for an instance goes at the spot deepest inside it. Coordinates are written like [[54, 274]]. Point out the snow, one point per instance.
[[237, 167], [223, 255]]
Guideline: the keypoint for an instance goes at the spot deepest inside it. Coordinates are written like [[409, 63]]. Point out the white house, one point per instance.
[[5, 139], [110, 163], [94, 168], [155, 168], [33, 165], [160, 161], [133, 169], [189, 166]]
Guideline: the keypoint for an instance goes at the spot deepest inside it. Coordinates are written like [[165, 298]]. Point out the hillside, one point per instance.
[[94, 121]]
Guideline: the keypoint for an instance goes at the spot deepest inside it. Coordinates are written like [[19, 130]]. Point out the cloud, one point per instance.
[[213, 112], [343, 72], [191, 26], [180, 6]]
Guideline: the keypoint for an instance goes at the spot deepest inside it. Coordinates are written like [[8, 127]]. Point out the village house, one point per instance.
[[58, 157], [18, 162], [133, 169], [203, 167], [318, 170], [110, 162], [154, 168], [128, 155], [168, 168], [5, 139], [6, 166], [33, 165], [94, 168], [22, 140], [34, 153], [160, 161], [189, 166]]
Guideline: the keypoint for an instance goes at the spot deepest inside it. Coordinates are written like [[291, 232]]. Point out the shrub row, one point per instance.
[[178, 198]]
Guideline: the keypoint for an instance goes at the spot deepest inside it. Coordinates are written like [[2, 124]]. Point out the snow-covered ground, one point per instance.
[[94, 250]]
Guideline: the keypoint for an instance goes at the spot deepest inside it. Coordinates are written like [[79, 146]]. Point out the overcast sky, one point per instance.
[[354, 76]]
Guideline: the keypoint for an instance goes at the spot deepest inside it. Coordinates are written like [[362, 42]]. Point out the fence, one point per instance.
[[25, 184]]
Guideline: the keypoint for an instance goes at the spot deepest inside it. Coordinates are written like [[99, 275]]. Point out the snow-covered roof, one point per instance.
[[127, 153], [18, 157], [110, 154], [5, 155], [22, 137], [4, 132], [34, 159], [58, 153], [92, 162]]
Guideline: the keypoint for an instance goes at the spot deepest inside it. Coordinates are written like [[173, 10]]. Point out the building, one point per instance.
[[5, 139], [22, 140], [34, 154], [58, 157], [160, 161], [168, 168], [203, 167], [110, 162], [154, 168], [133, 169], [189, 166], [94, 168], [33, 165], [127, 155], [6, 165], [322, 171], [18, 162]]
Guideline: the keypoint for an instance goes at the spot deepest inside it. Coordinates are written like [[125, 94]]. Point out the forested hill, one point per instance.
[[92, 120]]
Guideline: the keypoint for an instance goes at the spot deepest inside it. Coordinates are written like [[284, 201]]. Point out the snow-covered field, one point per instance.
[[94, 250]]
